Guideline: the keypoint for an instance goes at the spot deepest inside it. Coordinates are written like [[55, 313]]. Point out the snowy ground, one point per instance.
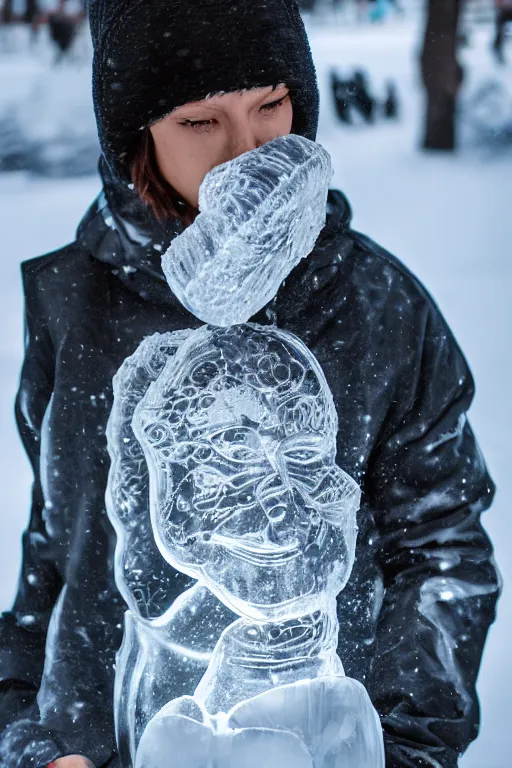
[[448, 218]]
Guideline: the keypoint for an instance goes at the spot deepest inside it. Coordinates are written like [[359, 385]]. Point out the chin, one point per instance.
[[272, 593], [269, 612]]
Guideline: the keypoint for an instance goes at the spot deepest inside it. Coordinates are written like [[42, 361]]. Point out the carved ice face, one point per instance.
[[239, 433]]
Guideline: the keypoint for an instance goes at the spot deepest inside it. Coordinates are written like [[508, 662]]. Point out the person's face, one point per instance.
[[200, 135], [248, 494]]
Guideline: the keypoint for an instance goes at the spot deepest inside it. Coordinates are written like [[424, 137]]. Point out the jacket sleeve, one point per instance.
[[23, 629], [428, 486]]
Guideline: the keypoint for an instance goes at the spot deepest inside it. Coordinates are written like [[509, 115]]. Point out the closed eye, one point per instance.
[[200, 126], [303, 456], [305, 449], [240, 444], [274, 104]]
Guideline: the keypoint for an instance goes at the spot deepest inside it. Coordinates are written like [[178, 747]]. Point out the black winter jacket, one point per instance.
[[415, 614]]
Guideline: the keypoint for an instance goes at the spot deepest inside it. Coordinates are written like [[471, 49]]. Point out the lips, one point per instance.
[[253, 549]]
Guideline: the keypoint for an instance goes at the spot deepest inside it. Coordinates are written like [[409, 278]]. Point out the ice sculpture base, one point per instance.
[[322, 723]]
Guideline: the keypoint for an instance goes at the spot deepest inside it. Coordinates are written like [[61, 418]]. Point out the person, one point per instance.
[[180, 87], [503, 17], [64, 25]]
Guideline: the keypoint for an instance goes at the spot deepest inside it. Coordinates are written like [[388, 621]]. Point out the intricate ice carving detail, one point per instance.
[[127, 495], [260, 214], [238, 430]]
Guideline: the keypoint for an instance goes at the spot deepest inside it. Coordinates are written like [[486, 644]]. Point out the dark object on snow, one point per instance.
[[390, 106], [362, 100], [341, 96], [442, 74], [138, 78], [352, 95], [415, 614]]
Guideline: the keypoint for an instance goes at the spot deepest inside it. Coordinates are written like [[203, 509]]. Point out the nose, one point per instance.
[[275, 498], [242, 138], [286, 511]]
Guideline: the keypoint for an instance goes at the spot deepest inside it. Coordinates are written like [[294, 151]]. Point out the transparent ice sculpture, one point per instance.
[[238, 431], [127, 495], [162, 609], [260, 214]]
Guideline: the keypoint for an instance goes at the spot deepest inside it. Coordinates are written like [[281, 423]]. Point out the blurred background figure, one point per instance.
[[341, 96], [362, 100], [378, 10], [63, 17], [64, 24], [354, 101], [503, 18], [352, 98], [391, 108]]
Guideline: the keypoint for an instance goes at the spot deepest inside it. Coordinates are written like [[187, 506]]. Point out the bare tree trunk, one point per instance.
[[442, 74]]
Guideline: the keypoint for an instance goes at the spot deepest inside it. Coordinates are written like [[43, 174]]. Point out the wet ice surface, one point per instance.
[[260, 214], [238, 429]]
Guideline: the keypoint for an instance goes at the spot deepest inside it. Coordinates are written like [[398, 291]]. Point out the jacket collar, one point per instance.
[[120, 230]]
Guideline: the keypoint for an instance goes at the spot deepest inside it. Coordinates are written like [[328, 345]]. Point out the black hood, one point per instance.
[[151, 56], [122, 231]]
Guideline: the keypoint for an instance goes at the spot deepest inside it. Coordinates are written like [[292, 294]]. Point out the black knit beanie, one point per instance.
[[151, 56]]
